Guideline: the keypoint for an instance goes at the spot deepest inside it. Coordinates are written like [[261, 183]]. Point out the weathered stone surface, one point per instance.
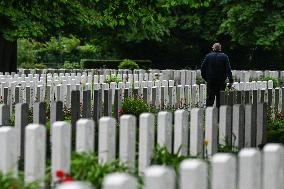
[[107, 139], [164, 138], [146, 140], [193, 174], [225, 125], [87, 104], [127, 140], [56, 111], [159, 177], [249, 169]]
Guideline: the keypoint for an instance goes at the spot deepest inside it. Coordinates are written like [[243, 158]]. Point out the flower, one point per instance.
[[205, 142], [68, 179], [60, 173], [120, 111]]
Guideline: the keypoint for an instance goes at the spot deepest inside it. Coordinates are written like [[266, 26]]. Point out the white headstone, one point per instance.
[[85, 135], [35, 153], [61, 148], [146, 140], [159, 177], [127, 140], [181, 132], [193, 174], [165, 126], [224, 172], [107, 139]]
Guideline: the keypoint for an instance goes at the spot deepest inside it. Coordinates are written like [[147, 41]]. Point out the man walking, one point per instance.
[[215, 69]]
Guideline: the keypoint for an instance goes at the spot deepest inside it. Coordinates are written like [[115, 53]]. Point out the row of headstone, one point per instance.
[[180, 77], [185, 138], [250, 169], [273, 98], [243, 75], [160, 95]]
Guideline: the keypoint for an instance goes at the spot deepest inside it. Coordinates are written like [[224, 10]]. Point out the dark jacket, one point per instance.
[[216, 66]]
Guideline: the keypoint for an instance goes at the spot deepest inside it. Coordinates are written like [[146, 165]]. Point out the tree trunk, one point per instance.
[[8, 55]]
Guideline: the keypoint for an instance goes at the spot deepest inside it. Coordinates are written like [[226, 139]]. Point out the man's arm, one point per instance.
[[228, 70], [203, 69]]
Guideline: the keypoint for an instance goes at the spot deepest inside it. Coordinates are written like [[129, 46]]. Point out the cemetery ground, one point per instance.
[[91, 148]]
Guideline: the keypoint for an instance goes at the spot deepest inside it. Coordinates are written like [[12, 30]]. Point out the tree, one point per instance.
[[250, 28], [128, 19]]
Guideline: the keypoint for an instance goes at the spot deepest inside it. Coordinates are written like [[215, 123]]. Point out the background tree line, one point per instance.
[[171, 33]]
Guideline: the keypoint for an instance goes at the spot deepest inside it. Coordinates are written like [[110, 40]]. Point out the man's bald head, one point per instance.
[[217, 47]]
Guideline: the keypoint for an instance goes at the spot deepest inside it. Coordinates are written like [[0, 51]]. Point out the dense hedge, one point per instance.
[[112, 64]]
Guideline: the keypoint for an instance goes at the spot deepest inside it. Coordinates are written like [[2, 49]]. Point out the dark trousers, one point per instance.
[[213, 90]]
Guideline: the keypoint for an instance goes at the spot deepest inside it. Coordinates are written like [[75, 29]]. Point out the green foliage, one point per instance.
[[145, 20], [40, 66], [27, 66], [32, 66], [85, 167], [26, 51], [134, 106], [89, 50], [70, 66], [112, 78], [61, 45], [276, 82], [10, 182], [199, 80], [275, 128], [162, 156], [257, 23], [174, 32], [128, 64], [228, 149]]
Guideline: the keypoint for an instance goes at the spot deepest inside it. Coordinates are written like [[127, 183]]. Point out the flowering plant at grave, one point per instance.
[[275, 126], [134, 106], [112, 78], [120, 111], [66, 113], [231, 89], [83, 85], [63, 177], [205, 142]]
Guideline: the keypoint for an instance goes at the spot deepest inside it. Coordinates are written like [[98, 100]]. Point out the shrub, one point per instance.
[[112, 78], [162, 156], [70, 66], [40, 66], [86, 167], [199, 80], [275, 129], [26, 51], [27, 65], [276, 82], [61, 45], [128, 64], [89, 50], [112, 64], [134, 106], [9, 182]]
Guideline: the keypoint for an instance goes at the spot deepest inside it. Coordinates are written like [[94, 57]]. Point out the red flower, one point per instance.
[[68, 179], [13, 187], [60, 173], [120, 111]]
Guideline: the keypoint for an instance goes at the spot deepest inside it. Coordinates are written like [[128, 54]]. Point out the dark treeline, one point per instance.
[[171, 33]]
